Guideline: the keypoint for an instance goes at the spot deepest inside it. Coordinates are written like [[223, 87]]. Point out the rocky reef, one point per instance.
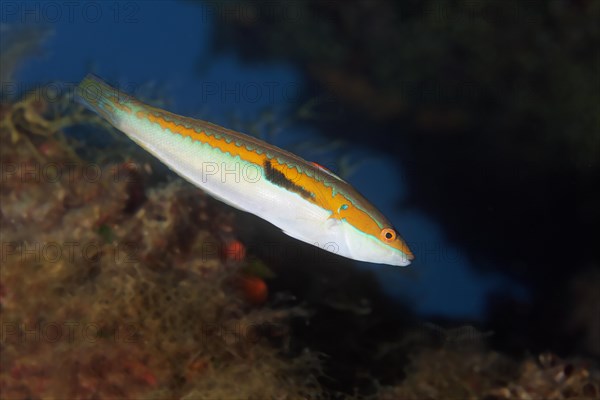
[[119, 280], [112, 288]]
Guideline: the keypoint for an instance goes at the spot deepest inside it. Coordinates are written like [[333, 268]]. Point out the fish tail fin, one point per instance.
[[100, 97]]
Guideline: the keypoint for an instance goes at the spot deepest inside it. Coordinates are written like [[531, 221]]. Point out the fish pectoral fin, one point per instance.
[[332, 223]]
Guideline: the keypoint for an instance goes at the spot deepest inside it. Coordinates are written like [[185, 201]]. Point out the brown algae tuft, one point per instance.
[[111, 288]]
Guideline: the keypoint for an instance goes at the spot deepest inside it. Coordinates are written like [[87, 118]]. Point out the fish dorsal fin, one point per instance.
[[327, 171]]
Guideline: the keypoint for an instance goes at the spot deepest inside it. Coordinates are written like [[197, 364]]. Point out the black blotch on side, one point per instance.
[[277, 178]]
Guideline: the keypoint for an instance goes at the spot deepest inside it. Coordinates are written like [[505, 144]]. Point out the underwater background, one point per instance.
[[473, 125]]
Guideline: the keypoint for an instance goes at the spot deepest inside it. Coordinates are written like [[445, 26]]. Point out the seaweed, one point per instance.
[[108, 293]]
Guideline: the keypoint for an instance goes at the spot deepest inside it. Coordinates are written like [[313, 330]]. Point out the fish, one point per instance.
[[305, 200]]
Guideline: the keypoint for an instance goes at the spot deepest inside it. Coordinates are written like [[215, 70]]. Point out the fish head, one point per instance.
[[362, 233], [386, 247]]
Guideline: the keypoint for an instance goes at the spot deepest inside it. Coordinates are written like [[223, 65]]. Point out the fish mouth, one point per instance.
[[402, 259], [405, 251], [399, 253]]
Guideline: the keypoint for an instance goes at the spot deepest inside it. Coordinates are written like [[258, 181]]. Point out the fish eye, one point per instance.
[[388, 235]]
